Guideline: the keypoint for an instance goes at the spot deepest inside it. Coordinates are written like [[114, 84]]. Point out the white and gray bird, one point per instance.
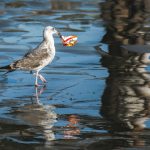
[[38, 58]]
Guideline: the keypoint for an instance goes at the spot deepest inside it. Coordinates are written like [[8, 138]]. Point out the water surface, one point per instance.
[[91, 101]]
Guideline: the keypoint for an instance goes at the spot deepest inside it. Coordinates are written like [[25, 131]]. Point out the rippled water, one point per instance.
[[91, 101]]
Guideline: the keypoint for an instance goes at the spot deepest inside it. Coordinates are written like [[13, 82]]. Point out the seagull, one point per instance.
[[36, 59]]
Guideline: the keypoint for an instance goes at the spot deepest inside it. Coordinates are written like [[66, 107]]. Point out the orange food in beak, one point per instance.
[[69, 40]]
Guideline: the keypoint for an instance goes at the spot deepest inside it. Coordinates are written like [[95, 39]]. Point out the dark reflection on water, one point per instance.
[[125, 101], [126, 98], [89, 102]]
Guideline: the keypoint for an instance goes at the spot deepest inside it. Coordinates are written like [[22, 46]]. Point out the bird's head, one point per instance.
[[66, 41], [49, 31]]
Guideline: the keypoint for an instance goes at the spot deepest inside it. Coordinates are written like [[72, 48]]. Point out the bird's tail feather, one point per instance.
[[8, 68]]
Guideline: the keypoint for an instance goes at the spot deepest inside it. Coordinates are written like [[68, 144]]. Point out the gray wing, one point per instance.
[[31, 60]]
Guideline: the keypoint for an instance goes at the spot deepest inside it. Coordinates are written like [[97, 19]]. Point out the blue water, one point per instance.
[[90, 101]]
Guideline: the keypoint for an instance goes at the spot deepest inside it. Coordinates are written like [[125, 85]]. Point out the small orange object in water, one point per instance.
[[69, 40]]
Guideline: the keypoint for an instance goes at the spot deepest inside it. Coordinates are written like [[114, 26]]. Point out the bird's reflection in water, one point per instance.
[[72, 129], [40, 117], [38, 92]]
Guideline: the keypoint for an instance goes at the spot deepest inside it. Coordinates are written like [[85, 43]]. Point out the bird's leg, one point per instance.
[[36, 78], [42, 78]]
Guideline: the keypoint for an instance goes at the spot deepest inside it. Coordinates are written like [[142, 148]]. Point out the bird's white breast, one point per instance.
[[47, 60]]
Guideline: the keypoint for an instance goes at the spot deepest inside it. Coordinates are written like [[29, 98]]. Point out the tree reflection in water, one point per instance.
[[126, 98], [63, 5], [126, 95]]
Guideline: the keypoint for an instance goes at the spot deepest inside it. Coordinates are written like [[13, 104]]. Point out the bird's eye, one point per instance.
[[53, 29]]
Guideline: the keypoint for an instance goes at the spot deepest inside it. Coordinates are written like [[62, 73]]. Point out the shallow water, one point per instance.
[[91, 101]]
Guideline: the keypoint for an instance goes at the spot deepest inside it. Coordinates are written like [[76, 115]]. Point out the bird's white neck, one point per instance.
[[49, 41]]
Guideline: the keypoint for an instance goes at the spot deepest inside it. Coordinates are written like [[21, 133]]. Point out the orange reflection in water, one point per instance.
[[72, 128]]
